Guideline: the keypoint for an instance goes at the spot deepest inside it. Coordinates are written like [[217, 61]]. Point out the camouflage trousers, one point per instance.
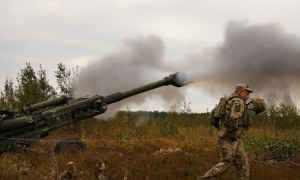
[[231, 152]]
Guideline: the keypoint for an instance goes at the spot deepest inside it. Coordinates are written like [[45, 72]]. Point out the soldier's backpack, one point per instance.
[[219, 111]]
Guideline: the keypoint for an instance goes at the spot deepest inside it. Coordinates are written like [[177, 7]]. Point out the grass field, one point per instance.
[[187, 158]]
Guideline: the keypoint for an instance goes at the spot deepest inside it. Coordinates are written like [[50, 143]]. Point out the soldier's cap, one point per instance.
[[243, 86]]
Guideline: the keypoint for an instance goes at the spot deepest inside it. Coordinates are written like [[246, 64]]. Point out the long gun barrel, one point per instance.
[[170, 80], [36, 120]]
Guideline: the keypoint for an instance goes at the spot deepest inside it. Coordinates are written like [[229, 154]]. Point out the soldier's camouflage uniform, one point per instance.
[[231, 149]]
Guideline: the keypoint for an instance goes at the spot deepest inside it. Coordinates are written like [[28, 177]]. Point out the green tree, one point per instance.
[[65, 78], [28, 89], [9, 94], [2, 100], [7, 98], [47, 91]]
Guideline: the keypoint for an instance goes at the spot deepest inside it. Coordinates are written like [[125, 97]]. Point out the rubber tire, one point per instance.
[[69, 140]]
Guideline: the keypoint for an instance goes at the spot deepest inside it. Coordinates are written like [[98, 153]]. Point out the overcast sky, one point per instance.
[[79, 33]]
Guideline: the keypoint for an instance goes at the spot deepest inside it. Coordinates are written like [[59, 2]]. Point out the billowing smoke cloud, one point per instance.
[[139, 62], [264, 56]]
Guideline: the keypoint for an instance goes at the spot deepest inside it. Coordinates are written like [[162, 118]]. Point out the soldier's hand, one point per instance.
[[233, 138]]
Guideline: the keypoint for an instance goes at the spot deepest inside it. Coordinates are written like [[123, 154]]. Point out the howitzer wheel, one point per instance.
[[69, 141]]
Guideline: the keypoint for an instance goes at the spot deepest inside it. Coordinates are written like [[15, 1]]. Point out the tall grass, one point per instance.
[[265, 140]]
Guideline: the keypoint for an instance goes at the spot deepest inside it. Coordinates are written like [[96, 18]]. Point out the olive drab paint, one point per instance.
[[34, 121]]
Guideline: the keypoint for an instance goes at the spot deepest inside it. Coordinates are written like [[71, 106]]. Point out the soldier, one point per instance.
[[231, 126]]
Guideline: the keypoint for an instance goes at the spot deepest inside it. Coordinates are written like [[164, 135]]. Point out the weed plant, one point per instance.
[[265, 140]]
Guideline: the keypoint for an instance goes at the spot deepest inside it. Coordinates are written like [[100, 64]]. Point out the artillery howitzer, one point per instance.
[[34, 122]]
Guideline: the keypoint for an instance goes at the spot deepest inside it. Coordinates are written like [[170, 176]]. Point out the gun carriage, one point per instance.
[[25, 127]]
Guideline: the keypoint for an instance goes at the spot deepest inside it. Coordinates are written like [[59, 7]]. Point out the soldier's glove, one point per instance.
[[232, 138]]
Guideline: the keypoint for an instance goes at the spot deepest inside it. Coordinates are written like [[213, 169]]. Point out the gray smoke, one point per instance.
[[140, 61], [264, 56]]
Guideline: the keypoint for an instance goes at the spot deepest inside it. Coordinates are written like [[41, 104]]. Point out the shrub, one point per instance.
[[276, 149]]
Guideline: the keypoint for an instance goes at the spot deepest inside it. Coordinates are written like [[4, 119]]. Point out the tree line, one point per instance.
[[33, 86]]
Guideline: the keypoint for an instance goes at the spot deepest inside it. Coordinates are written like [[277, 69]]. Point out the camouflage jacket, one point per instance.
[[235, 119]]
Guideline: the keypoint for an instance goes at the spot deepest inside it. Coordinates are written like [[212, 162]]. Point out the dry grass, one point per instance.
[[139, 160]]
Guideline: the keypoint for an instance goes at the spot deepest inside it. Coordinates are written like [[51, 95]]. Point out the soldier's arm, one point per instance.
[[237, 110]]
